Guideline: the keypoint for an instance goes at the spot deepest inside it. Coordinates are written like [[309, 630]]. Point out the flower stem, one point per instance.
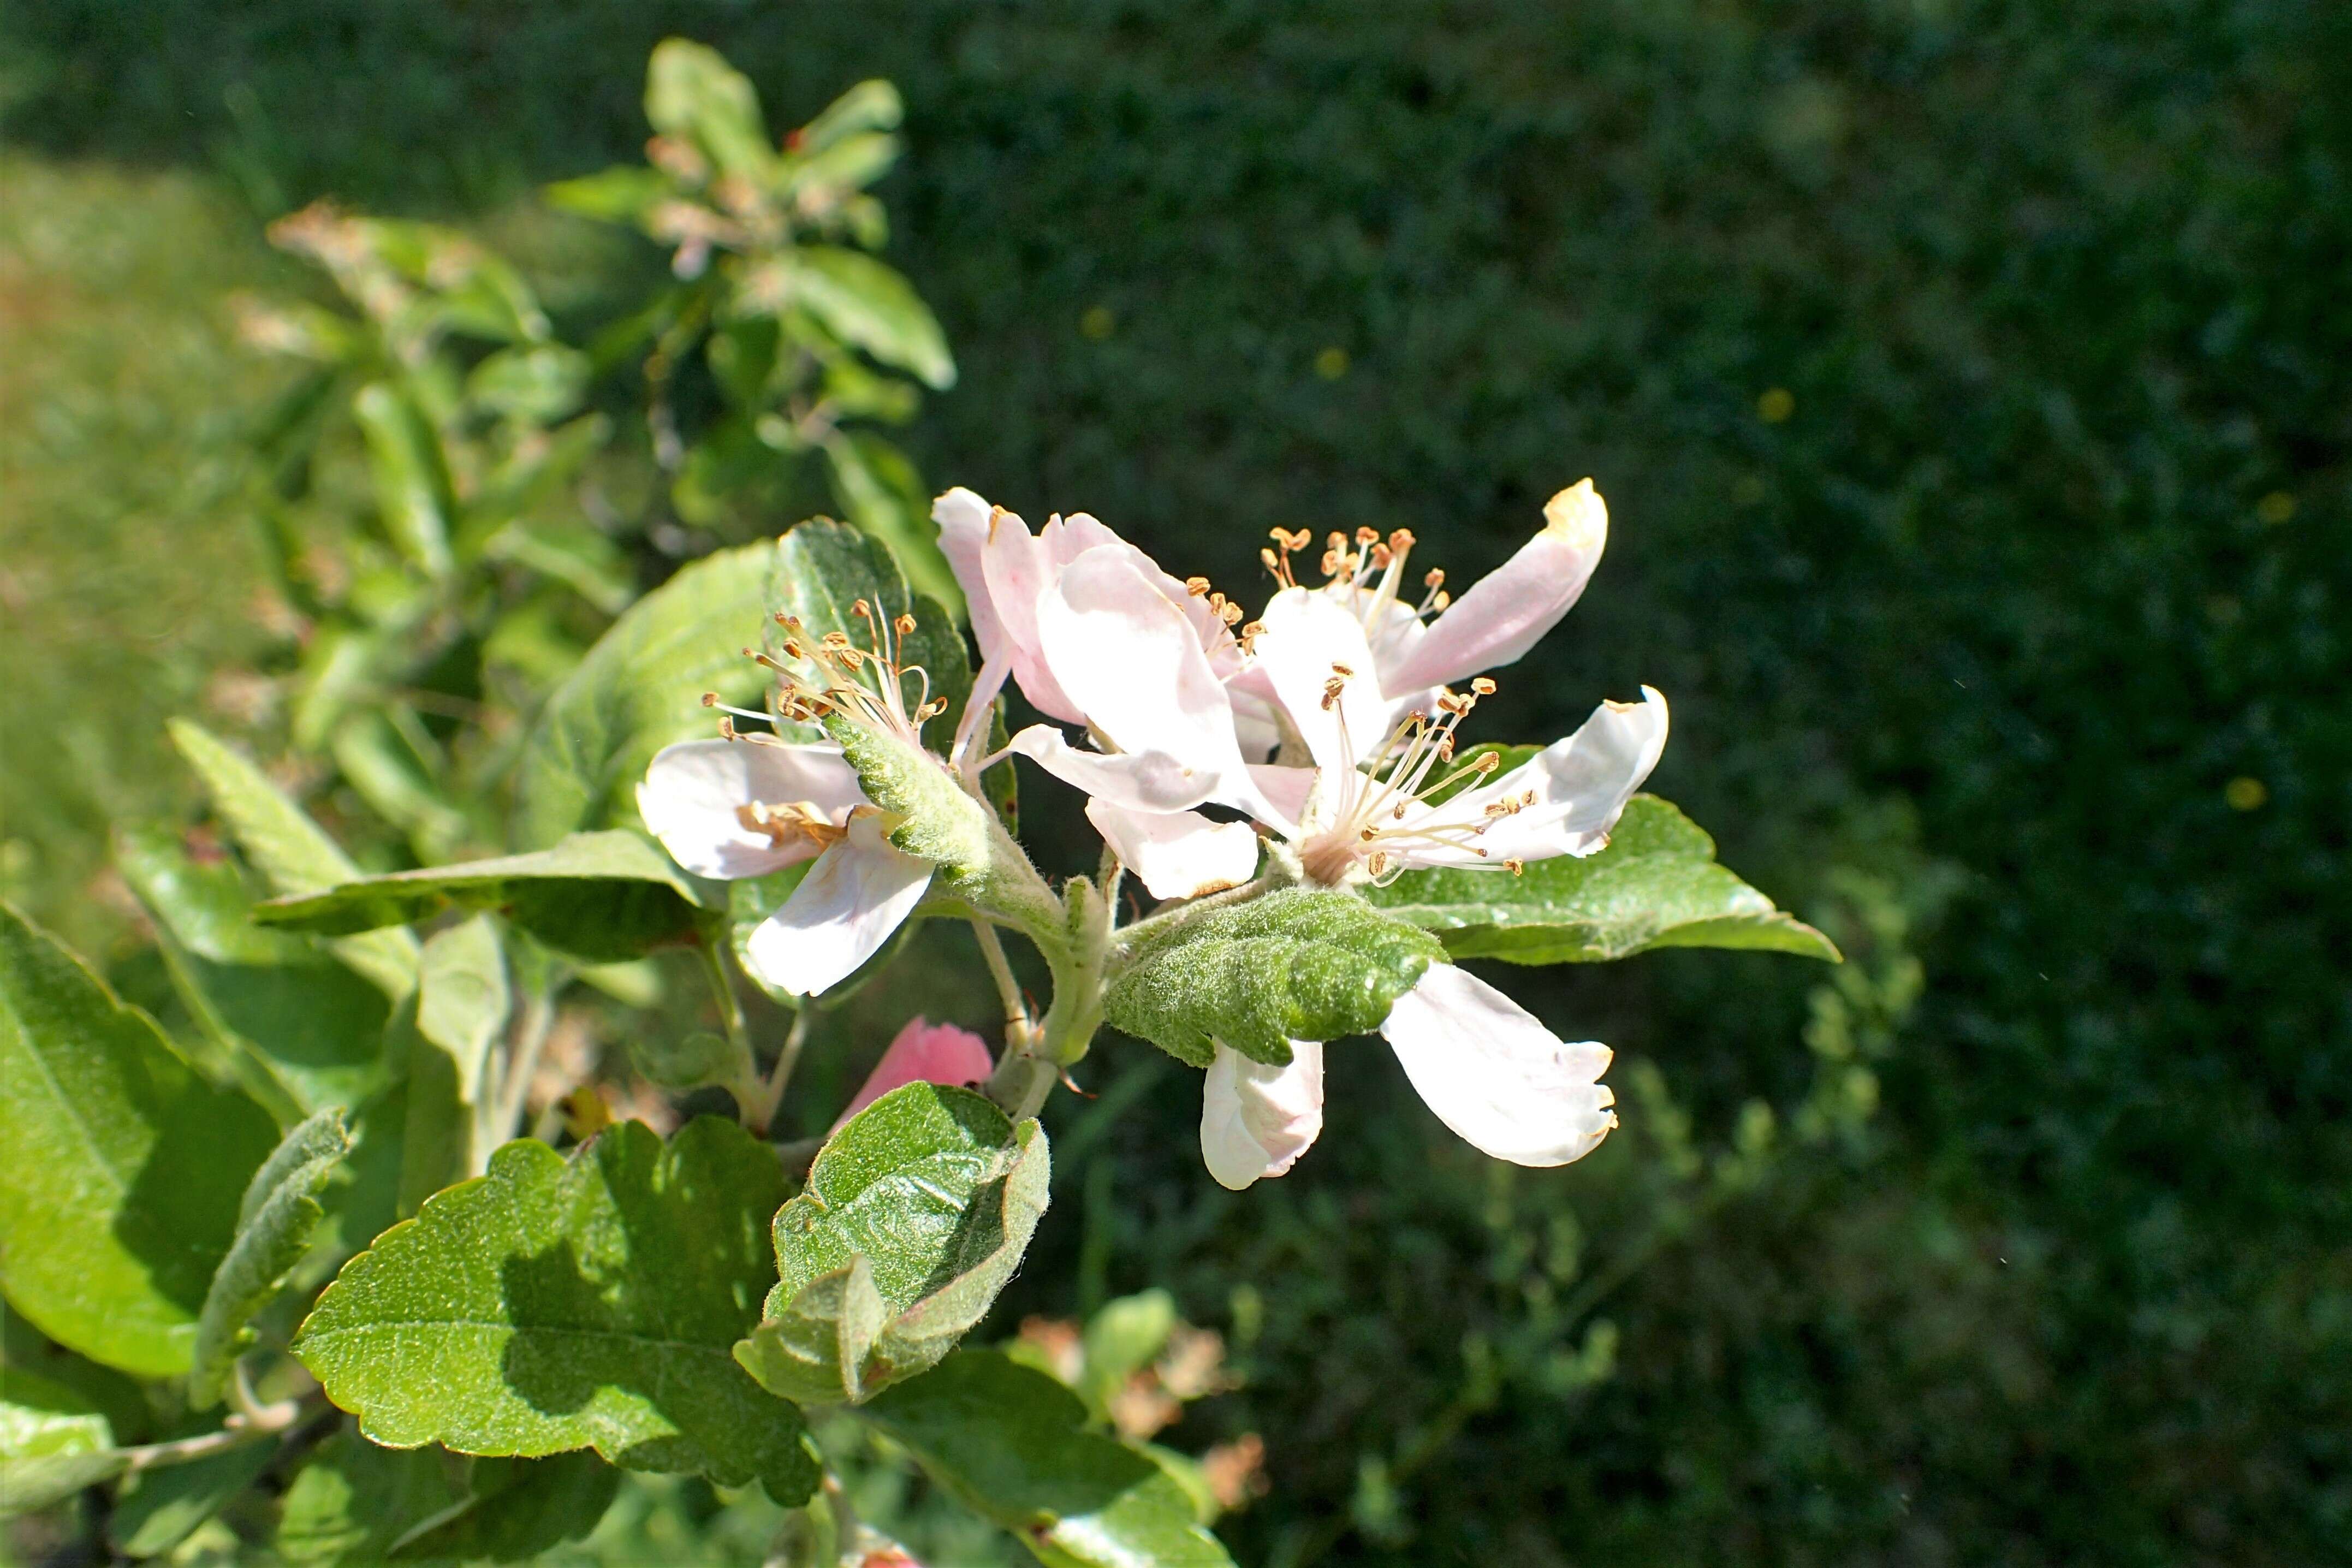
[[760, 1109], [991, 948], [537, 1022]]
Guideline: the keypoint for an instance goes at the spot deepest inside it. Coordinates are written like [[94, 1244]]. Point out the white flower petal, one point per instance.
[[1493, 1073], [1307, 639], [1132, 662], [1581, 785], [858, 893], [1138, 781], [1178, 855], [1256, 1119], [1284, 792], [1509, 610], [689, 795]]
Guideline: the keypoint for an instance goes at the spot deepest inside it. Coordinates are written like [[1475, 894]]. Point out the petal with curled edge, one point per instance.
[[1493, 1073], [1579, 785], [1308, 641], [858, 892], [691, 793], [1509, 610], [1177, 854], [1256, 1120]]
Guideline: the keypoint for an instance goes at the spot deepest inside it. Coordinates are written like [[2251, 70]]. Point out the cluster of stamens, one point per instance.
[[1367, 569], [865, 685], [1365, 830]]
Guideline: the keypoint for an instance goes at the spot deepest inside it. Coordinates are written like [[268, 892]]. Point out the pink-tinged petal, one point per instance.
[[1308, 641], [1177, 855], [1493, 1073], [1284, 792], [1132, 662], [1256, 1119], [1578, 788], [690, 795], [858, 893], [1510, 608], [924, 1052], [962, 518], [1018, 569]]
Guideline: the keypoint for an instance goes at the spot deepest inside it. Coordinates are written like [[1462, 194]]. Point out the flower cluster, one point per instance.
[[1314, 744]]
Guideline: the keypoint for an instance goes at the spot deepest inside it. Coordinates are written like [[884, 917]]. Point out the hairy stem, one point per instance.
[[760, 1110]]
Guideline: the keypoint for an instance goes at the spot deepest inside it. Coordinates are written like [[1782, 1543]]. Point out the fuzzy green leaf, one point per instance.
[[637, 690], [1012, 1444], [601, 897], [274, 1222], [1297, 964], [285, 847], [1655, 885], [119, 1195], [557, 1304], [915, 1215]]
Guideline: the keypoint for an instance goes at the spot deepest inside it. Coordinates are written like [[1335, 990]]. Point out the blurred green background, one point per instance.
[[1971, 384]]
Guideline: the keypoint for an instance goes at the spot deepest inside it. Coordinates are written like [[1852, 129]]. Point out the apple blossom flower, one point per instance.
[[749, 804], [1381, 793], [924, 1052]]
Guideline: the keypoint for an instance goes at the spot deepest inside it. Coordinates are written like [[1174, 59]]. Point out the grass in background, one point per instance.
[[128, 573]]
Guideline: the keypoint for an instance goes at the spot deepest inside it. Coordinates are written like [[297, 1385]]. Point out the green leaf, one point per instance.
[[53, 1442], [601, 897], [691, 92], [160, 1508], [882, 495], [352, 1501], [304, 1031], [288, 849], [556, 1304], [621, 194], [516, 1509], [537, 385], [412, 485], [119, 1194], [378, 762], [1122, 1339], [915, 1215], [872, 105], [463, 998], [822, 568], [639, 689], [1655, 885], [1297, 964], [869, 305], [1012, 1444], [274, 1222], [358, 1504]]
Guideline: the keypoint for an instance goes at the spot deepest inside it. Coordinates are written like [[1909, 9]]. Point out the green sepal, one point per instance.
[[1299, 963], [915, 1215]]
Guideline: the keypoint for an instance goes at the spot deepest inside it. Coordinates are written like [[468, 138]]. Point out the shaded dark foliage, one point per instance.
[[2049, 548]]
